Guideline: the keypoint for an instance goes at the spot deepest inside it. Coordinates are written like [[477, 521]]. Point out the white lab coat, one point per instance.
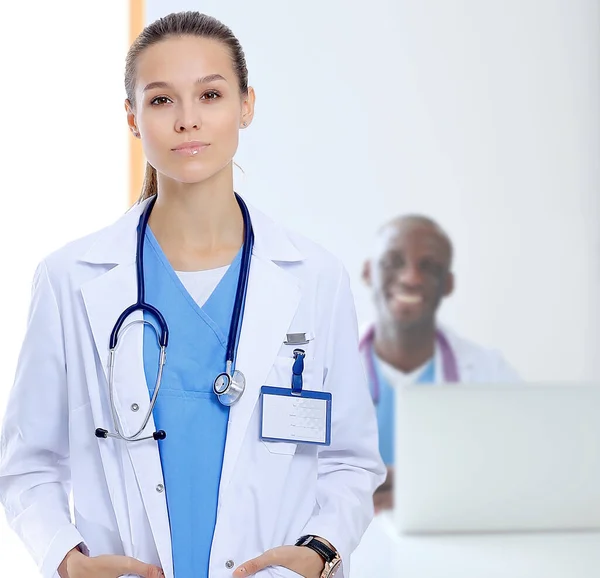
[[270, 493], [475, 363]]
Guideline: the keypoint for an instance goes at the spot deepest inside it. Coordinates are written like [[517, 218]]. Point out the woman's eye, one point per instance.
[[159, 100], [211, 95]]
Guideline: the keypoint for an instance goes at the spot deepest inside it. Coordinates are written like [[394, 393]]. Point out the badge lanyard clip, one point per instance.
[[297, 370]]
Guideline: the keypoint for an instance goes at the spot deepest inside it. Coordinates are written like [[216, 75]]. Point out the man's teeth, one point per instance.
[[408, 298]]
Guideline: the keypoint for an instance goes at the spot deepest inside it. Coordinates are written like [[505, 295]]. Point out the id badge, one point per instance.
[[295, 415]]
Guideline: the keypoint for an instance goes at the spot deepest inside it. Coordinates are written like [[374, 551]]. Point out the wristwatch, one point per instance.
[[332, 559]]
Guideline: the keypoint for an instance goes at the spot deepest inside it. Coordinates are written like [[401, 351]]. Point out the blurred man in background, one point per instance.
[[410, 273]]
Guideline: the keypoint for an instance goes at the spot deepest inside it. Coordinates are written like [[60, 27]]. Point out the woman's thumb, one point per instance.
[[145, 570], [154, 572]]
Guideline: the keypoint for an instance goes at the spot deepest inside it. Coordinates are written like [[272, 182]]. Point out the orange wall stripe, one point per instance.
[[136, 154]]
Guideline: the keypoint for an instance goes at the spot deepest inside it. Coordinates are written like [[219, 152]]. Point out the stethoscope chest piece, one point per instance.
[[229, 388]]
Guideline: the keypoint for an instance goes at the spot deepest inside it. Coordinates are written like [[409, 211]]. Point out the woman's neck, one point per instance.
[[200, 225]]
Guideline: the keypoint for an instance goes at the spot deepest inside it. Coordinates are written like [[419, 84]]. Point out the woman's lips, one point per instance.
[[189, 149]]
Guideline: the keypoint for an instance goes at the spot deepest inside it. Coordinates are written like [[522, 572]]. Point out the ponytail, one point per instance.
[[150, 186]]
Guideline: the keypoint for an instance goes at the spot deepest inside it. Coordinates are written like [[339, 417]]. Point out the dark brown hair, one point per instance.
[[181, 24]]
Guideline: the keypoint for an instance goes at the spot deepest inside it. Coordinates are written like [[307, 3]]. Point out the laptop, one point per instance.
[[497, 458]]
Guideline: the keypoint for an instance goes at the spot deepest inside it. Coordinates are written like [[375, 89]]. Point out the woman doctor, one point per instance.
[[140, 382]]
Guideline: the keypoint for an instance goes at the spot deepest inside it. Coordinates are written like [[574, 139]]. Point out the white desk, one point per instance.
[[384, 553]]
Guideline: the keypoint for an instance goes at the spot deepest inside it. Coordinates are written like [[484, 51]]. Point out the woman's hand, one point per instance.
[[299, 559], [78, 565]]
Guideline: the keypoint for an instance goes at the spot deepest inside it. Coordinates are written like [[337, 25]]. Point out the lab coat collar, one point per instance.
[[463, 353], [116, 244]]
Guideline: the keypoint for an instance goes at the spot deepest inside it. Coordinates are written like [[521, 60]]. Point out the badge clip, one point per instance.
[[297, 370], [297, 338]]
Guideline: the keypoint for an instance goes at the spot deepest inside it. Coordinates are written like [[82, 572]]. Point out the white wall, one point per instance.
[[481, 114], [63, 157]]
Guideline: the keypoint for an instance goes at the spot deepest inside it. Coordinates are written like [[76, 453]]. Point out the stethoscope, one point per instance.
[[229, 385]]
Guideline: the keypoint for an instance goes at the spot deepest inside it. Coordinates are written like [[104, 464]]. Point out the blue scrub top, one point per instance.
[[186, 407], [386, 407]]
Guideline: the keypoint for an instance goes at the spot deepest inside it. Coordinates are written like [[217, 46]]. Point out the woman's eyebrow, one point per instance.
[[202, 80]]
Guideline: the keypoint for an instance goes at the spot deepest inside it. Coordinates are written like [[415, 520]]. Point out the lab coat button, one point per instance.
[[229, 564], [160, 488], [135, 407]]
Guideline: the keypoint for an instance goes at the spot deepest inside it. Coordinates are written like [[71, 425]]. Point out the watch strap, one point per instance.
[[328, 554]]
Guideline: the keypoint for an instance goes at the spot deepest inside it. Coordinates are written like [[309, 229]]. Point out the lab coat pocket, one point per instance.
[[283, 448], [88, 476]]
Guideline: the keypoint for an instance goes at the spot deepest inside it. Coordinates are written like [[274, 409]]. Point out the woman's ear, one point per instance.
[[131, 118], [248, 108]]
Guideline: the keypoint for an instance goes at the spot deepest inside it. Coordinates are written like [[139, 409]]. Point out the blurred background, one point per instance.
[[483, 115]]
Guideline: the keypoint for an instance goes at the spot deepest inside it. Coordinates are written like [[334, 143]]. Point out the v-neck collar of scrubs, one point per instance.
[[209, 312]]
